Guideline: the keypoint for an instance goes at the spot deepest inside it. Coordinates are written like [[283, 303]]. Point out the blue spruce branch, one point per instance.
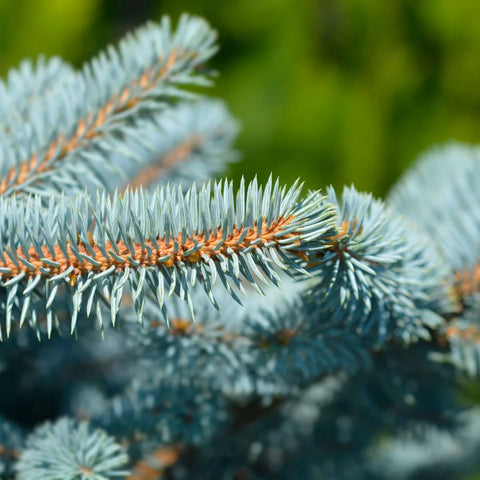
[[80, 453], [451, 221], [165, 243], [75, 124]]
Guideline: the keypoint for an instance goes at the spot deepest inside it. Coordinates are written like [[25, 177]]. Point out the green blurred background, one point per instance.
[[334, 91]]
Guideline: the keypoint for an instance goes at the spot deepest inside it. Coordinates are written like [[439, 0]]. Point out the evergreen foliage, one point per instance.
[[250, 331], [79, 454]]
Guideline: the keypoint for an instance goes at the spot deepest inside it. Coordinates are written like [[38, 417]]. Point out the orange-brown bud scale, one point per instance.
[[7, 452], [335, 240], [153, 467], [471, 333], [334, 244], [468, 282], [181, 326]]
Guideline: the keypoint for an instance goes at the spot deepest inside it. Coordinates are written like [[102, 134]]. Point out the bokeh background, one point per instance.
[[333, 91]]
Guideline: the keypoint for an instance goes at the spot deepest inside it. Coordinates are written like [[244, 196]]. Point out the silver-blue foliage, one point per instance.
[[441, 194], [190, 142], [267, 350], [69, 451], [100, 106], [27, 85], [432, 452], [149, 414], [164, 243], [379, 274]]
